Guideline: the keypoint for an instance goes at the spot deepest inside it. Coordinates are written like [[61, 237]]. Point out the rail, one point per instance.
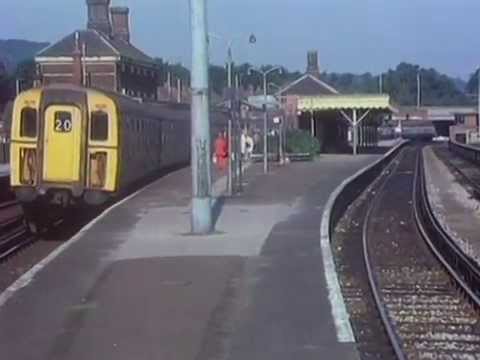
[[395, 341], [338, 202], [13, 232], [462, 268]]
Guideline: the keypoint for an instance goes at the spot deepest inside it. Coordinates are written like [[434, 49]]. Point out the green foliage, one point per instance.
[[300, 141], [218, 78], [401, 84], [13, 52], [7, 89], [436, 88], [472, 85], [177, 71]]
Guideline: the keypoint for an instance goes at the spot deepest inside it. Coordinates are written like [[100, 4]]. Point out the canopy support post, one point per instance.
[[355, 131], [312, 124]]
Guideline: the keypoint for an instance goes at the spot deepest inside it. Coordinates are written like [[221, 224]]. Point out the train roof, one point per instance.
[[158, 110]]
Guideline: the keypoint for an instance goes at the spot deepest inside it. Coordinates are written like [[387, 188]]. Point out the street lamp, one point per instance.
[[419, 89], [265, 113]]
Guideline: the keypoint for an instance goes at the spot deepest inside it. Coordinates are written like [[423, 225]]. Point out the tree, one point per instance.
[[400, 83], [472, 84], [26, 73]]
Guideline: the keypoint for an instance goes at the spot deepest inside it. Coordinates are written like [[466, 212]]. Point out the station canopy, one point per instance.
[[354, 108], [345, 102]]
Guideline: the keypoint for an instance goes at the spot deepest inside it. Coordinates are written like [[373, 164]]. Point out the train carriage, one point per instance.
[[74, 146]]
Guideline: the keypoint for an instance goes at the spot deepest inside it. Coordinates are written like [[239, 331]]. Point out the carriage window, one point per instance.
[[99, 126], [28, 123]]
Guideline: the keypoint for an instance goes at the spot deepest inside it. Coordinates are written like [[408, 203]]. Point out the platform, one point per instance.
[[134, 285], [456, 210]]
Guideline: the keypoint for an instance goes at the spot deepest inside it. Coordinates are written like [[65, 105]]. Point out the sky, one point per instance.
[[350, 35]]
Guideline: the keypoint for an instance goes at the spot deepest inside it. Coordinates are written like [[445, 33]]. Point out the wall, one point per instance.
[[139, 81]]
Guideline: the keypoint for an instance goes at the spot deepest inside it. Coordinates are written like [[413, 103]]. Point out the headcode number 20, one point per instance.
[[63, 125]]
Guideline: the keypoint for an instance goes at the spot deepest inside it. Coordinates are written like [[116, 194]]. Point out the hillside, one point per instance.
[[12, 52]]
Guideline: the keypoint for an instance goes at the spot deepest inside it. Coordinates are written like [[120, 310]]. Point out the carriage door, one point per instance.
[[62, 144]]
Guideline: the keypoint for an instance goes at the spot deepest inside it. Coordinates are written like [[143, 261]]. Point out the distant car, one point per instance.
[[441, 139]]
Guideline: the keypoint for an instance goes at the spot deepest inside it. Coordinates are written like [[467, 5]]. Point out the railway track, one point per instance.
[[421, 282], [13, 232]]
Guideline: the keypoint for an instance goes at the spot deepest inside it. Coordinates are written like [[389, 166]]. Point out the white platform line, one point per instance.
[[337, 303]]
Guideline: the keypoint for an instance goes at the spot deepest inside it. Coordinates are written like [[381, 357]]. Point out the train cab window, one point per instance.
[[99, 126], [28, 122]]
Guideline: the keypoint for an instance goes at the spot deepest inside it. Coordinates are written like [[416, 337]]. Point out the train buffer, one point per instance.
[[134, 284]]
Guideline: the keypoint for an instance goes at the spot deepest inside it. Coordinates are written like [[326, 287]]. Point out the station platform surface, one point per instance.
[[456, 210], [135, 285]]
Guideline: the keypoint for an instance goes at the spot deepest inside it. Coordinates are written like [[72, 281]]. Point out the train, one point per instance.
[[77, 147], [418, 130]]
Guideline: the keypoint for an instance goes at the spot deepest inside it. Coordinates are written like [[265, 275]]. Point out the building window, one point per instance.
[[99, 126], [28, 122]]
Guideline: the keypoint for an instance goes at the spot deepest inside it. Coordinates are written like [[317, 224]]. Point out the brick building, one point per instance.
[[101, 56], [308, 84]]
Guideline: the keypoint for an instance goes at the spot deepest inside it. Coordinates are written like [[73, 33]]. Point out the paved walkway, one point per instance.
[[457, 212], [135, 285]]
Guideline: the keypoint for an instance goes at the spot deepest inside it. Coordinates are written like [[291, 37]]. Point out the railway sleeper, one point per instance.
[[424, 328], [413, 278], [416, 319], [423, 299], [437, 346], [443, 336], [433, 313], [447, 355], [428, 306]]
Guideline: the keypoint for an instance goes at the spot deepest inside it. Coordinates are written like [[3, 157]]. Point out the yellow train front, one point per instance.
[[74, 146]]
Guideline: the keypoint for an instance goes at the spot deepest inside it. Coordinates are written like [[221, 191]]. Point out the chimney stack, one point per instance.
[[99, 16], [120, 23], [312, 64]]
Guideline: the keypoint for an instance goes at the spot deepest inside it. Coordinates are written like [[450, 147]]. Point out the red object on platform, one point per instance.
[[221, 152]]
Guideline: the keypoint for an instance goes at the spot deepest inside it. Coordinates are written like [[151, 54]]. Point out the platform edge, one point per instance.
[[337, 302]]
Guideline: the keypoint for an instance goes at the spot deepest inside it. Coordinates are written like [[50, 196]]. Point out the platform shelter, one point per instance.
[[346, 118]]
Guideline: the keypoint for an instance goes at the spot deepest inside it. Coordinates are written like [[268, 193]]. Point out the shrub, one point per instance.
[[300, 141]]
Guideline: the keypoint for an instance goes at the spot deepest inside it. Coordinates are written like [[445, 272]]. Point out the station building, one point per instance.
[[340, 122], [101, 56], [459, 123]]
